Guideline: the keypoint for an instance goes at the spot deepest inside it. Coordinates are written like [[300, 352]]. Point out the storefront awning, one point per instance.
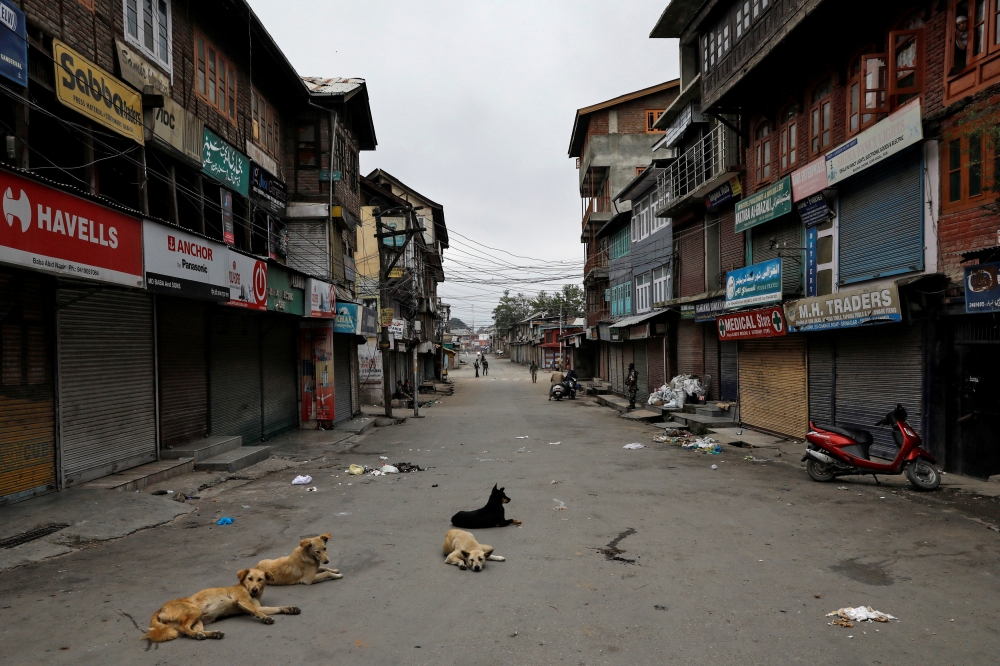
[[637, 319]]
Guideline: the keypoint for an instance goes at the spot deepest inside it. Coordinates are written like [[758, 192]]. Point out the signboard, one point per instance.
[[52, 231], [723, 193], [812, 238], [277, 238], [396, 329], [883, 139], [322, 299], [766, 323], [395, 273], [369, 321], [138, 71], [316, 345], [771, 202], [709, 310], [247, 281], [982, 288], [813, 210], [167, 124], [268, 190], [394, 223], [687, 312], [281, 295], [810, 179], [616, 334], [753, 285], [370, 362], [182, 264], [224, 163], [262, 158], [346, 319], [873, 304], [638, 332], [226, 203], [385, 316], [89, 90], [13, 44]]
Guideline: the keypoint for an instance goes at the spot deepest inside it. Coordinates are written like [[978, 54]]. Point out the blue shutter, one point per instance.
[[628, 297], [881, 220]]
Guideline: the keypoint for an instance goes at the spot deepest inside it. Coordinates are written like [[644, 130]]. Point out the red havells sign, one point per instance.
[[764, 323], [48, 230]]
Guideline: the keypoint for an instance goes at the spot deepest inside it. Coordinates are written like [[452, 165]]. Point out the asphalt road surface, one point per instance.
[[654, 558]]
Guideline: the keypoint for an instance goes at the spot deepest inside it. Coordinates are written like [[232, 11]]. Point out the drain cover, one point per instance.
[[37, 533]]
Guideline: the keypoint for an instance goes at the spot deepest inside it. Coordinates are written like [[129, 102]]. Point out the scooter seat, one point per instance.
[[859, 436]]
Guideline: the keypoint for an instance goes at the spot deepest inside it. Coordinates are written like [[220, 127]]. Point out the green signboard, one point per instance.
[[771, 202], [281, 295], [224, 163]]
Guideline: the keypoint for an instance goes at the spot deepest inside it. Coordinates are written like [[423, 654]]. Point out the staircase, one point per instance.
[[219, 454]]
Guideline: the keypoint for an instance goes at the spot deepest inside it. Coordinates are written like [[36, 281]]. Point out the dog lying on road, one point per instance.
[[465, 552], [188, 616], [490, 515], [303, 566]]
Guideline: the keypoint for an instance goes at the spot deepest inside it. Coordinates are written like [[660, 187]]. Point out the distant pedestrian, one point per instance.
[[533, 368], [476, 366], [632, 384], [486, 367]]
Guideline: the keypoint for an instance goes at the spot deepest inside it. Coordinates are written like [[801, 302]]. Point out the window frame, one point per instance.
[[865, 120], [205, 76], [137, 40], [652, 115], [816, 109], [643, 293], [873, 64], [762, 154], [299, 142], [788, 138], [273, 124], [966, 165], [894, 91]]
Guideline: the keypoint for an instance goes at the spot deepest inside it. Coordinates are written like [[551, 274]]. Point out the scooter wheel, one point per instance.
[[923, 475], [819, 471]]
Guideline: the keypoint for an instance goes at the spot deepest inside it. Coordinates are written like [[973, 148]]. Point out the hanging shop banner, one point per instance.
[[875, 304], [226, 204], [224, 163], [281, 295], [89, 90], [900, 130], [723, 193], [982, 288], [771, 202], [369, 321], [182, 264], [138, 71], [813, 210], [269, 192], [52, 231], [810, 179], [322, 299], [13, 44], [709, 310], [346, 320], [753, 285], [766, 323], [247, 281]]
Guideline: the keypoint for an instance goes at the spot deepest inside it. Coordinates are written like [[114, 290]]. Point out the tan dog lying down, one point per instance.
[[303, 565], [465, 552], [189, 616]]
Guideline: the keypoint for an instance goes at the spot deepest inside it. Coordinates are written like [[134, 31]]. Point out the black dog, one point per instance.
[[490, 515]]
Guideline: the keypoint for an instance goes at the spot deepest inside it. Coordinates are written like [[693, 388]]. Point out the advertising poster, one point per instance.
[[346, 320], [766, 323], [809, 180], [307, 373], [182, 264], [247, 281], [369, 321], [873, 304], [370, 362], [753, 285], [764, 206], [52, 231], [323, 363], [322, 299], [982, 288], [227, 216]]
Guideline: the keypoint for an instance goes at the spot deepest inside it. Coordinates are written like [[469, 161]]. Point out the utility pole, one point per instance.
[[560, 338], [384, 342]]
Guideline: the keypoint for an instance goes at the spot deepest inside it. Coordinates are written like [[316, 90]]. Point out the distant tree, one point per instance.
[[570, 300], [456, 324], [510, 309]]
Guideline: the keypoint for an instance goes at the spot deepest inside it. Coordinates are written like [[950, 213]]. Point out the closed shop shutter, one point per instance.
[[342, 347], [639, 353], [773, 385], [280, 379], [729, 382], [821, 377], [309, 246], [616, 367], [690, 244], [876, 368], [881, 220], [234, 374], [711, 358], [183, 371], [732, 253], [27, 400], [690, 348], [787, 231], [654, 361], [107, 395]]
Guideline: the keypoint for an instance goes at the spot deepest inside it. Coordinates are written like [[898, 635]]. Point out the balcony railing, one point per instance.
[[703, 162], [597, 260], [600, 204], [594, 318]]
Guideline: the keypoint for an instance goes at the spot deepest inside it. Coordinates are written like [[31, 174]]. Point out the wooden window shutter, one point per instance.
[[873, 83], [906, 62]]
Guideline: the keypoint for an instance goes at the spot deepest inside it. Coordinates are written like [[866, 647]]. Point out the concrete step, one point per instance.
[[357, 426], [699, 424], [613, 401], [203, 449], [675, 425], [139, 477], [642, 415], [709, 410], [237, 459]]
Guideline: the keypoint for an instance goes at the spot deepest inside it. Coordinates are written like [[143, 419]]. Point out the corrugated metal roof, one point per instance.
[[332, 85]]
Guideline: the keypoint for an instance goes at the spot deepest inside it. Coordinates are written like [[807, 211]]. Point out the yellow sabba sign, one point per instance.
[[84, 87]]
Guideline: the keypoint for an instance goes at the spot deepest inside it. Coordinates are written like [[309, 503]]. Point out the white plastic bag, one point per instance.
[[302, 480], [389, 469]]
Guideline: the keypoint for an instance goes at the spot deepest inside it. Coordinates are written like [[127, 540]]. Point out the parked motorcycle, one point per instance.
[[837, 451], [557, 391], [569, 389]]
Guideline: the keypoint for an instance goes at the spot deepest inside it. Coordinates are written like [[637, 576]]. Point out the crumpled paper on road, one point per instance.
[[861, 614], [703, 445], [634, 445], [302, 480]]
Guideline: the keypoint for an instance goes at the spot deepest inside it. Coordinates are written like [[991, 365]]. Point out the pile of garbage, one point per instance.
[[404, 468], [846, 617], [688, 441], [674, 394]]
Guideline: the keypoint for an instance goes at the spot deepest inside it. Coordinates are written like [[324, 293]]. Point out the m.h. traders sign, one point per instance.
[[769, 203], [753, 285], [875, 304], [766, 323]]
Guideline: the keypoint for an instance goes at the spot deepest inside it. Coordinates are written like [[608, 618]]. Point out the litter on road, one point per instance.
[[555, 443], [302, 480], [715, 467], [860, 614], [356, 470], [389, 469], [224, 521], [634, 445], [521, 437], [312, 490], [561, 507], [703, 445], [383, 457]]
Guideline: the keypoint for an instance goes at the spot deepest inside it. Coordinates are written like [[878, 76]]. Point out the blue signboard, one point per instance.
[[982, 288], [813, 210], [13, 44], [346, 320], [811, 240], [753, 285]]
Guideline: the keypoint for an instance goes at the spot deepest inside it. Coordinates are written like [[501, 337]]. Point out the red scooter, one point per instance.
[[834, 451]]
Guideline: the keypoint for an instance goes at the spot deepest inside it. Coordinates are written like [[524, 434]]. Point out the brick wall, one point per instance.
[[731, 249], [963, 231]]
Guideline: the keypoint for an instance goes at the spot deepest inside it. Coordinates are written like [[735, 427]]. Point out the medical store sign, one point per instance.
[[322, 299], [754, 285], [982, 288], [89, 90], [875, 304], [13, 44], [247, 281], [52, 231], [765, 323], [224, 163], [182, 264], [769, 203]]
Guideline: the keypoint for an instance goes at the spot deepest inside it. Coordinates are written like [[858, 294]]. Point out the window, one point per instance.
[[651, 117], [856, 120], [906, 60], [874, 97], [642, 293], [743, 19], [216, 79], [789, 136], [661, 281], [820, 121], [620, 244], [972, 50], [704, 58], [762, 152], [265, 124], [147, 26], [308, 152], [967, 163]]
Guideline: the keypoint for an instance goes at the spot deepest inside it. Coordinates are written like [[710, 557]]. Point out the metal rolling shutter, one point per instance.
[[711, 358], [183, 371], [616, 367], [107, 397], [280, 380], [654, 361], [881, 220], [639, 353], [342, 377], [309, 246], [690, 348], [729, 383], [821, 377], [878, 367], [773, 385], [234, 375], [27, 391], [690, 244], [788, 231]]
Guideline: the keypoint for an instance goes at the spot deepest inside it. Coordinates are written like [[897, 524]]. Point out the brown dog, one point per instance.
[[189, 616], [303, 565], [465, 552]]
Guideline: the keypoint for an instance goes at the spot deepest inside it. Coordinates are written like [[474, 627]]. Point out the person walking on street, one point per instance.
[[533, 368], [486, 366], [476, 366], [557, 378], [632, 384]]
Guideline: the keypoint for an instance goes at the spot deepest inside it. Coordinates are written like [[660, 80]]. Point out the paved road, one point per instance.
[[731, 566]]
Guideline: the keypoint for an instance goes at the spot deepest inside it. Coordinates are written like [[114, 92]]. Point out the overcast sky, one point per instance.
[[474, 105]]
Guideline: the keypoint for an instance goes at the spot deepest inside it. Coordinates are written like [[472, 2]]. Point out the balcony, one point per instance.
[[707, 164], [595, 318], [596, 266]]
